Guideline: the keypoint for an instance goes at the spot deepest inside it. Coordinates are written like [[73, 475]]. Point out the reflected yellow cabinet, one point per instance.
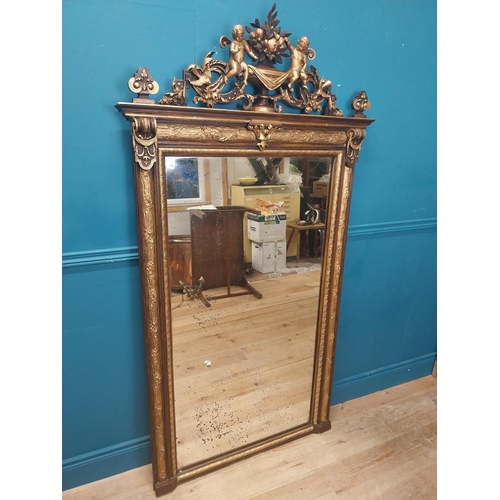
[[248, 196]]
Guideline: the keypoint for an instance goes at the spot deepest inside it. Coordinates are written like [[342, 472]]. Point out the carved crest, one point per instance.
[[258, 83], [249, 75]]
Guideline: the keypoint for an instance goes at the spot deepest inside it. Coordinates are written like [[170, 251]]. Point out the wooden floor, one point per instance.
[[381, 447], [260, 372]]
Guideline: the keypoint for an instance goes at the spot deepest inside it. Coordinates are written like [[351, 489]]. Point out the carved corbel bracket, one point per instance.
[[144, 141], [263, 132], [355, 137]]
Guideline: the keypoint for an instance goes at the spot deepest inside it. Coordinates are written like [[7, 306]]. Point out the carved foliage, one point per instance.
[[202, 133], [267, 40]]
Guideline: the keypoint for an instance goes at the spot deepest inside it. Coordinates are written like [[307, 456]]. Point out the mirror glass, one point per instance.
[[246, 246], [185, 181]]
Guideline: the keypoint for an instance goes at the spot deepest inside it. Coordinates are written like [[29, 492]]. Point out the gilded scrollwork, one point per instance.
[[207, 81], [217, 82], [319, 99], [144, 141], [355, 137]]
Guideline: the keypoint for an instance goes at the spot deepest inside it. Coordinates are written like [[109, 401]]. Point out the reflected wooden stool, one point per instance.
[[302, 227]]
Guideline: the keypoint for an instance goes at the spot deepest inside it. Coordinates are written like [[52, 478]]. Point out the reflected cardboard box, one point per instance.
[[264, 256], [265, 228], [320, 189]]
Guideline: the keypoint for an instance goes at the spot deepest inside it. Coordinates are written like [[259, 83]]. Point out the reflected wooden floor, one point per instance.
[[243, 367], [381, 447]]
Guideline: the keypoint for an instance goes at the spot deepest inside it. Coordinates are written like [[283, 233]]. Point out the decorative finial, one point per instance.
[[360, 104], [143, 84]]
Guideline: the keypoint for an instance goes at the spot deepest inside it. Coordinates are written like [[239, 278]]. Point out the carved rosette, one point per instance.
[[144, 141], [355, 137]]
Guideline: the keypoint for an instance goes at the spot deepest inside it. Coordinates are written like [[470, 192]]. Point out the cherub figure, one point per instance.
[[298, 61], [237, 49]]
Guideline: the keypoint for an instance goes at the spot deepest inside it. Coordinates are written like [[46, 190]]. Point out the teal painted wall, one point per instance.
[[387, 323]]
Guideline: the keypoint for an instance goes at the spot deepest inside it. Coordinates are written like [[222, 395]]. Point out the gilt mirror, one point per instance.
[[242, 222]]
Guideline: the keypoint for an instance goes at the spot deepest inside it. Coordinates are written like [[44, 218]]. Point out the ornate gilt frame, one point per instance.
[[180, 130]]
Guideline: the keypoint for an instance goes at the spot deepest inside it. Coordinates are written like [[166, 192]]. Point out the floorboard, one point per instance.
[[381, 447]]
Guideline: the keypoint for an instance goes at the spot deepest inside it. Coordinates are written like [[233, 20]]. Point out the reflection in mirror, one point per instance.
[[185, 181], [243, 355]]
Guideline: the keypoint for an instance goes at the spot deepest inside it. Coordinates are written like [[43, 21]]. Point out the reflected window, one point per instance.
[[185, 181]]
